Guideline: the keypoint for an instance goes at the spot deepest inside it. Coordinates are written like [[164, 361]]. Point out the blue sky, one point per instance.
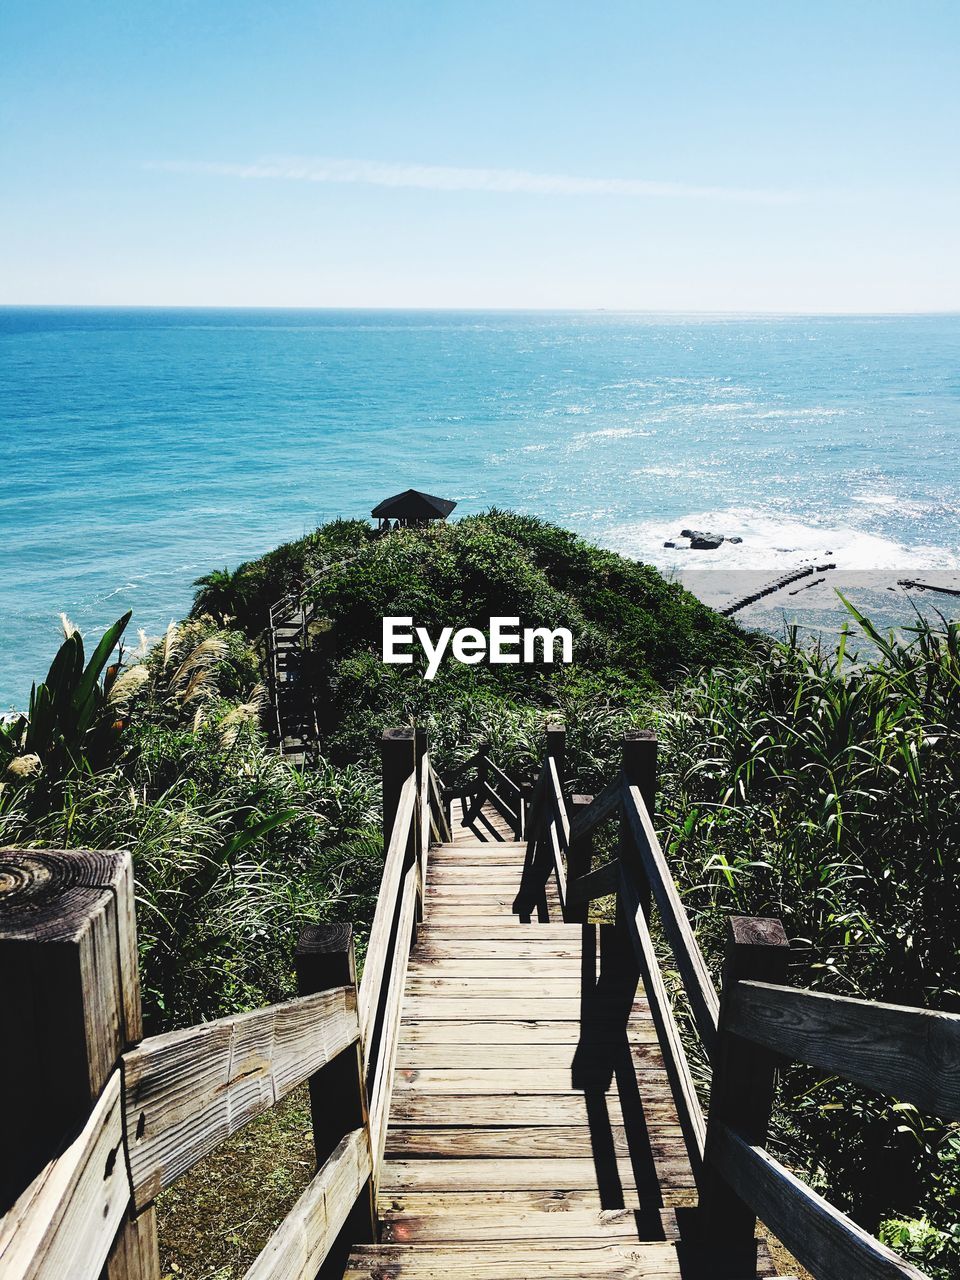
[[670, 156]]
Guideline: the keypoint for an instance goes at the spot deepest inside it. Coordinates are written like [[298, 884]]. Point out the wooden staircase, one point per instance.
[[532, 1128], [506, 1094], [295, 720]]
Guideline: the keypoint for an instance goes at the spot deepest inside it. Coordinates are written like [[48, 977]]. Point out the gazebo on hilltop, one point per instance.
[[411, 510]]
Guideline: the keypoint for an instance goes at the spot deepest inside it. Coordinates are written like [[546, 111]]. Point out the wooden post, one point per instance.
[[483, 771], [324, 958], [422, 822], [557, 748], [742, 1093], [70, 1007], [579, 858], [397, 763], [639, 766]]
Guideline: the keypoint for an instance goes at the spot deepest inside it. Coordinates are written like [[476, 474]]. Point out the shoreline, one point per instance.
[[889, 597]]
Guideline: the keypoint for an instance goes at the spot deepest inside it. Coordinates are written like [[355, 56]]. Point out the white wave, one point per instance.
[[583, 438], [772, 541], [875, 499]]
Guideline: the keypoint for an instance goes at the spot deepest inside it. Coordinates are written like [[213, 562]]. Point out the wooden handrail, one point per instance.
[[860, 1040], [438, 808], [481, 788], [461, 769], [394, 866], [604, 806], [381, 1067], [65, 1222], [504, 778], [690, 1113], [817, 1234], [300, 1244], [558, 829], [702, 994], [910, 1054], [187, 1091]]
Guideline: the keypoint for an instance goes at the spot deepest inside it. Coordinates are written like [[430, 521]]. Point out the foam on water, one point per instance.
[[775, 542]]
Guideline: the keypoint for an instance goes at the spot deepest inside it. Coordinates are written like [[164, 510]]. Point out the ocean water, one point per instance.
[[141, 448]]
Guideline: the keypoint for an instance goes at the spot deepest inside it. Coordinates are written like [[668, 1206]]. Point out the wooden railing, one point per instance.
[[748, 1031], [478, 780], [99, 1120]]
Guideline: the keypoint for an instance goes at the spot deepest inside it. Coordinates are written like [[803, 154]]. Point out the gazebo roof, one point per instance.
[[413, 505]]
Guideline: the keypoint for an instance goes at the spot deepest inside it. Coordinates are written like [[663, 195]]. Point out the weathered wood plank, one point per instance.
[[382, 1069], [378, 945], [411, 1107], [565, 1009], [656, 1261], [65, 1222], [436, 802], [302, 1241], [68, 975], [530, 1055], [135, 1253], [494, 967], [547, 934], [503, 1031], [186, 1091], [477, 918], [524, 1079], [488, 1141], [818, 1235], [528, 988], [460, 945], [466, 874], [911, 1054], [522, 1174], [453, 907], [461, 1216], [704, 1001], [558, 836], [507, 864], [742, 1085]]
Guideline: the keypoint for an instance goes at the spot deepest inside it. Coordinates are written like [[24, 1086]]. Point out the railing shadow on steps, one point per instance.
[[751, 1028], [104, 1120]]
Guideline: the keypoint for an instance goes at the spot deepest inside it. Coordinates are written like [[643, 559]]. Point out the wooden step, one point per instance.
[[538, 1216], [573, 1259]]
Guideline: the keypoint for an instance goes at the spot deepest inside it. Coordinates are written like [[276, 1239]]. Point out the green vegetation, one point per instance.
[[820, 787], [826, 791]]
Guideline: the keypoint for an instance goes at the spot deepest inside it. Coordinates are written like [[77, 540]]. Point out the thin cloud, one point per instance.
[[430, 177]]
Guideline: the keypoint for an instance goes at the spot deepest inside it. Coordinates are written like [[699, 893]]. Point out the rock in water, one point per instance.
[[705, 541]]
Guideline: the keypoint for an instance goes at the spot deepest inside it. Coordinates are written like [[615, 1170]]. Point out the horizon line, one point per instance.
[[477, 310]]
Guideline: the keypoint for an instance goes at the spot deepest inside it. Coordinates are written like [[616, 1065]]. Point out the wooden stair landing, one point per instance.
[[532, 1129]]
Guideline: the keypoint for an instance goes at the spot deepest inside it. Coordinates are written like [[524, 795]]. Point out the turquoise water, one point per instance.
[[142, 448]]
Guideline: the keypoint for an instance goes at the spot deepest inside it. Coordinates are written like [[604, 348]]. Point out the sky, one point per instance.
[[669, 156]]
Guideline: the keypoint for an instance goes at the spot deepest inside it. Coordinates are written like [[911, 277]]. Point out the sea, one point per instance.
[[141, 448]]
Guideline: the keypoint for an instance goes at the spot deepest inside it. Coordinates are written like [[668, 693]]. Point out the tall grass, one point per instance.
[[824, 788]]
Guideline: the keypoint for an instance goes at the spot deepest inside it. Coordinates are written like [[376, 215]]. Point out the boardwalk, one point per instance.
[[532, 1128]]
